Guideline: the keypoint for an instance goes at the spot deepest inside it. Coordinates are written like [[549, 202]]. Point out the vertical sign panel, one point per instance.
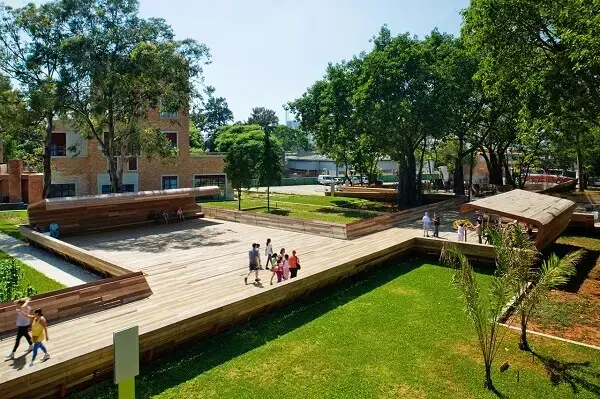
[[126, 344]]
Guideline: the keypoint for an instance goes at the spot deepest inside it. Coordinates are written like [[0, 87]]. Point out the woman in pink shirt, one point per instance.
[[286, 267]]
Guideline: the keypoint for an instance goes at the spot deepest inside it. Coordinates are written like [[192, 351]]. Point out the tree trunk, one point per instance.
[[580, 168], [509, 177], [494, 169], [48, 155], [459, 174], [268, 199], [488, 377], [239, 190], [471, 164], [523, 344]]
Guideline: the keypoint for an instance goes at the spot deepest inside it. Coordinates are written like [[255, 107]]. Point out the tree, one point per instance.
[[484, 311], [228, 135], [118, 67], [240, 166], [517, 258], [270, 167], [263, 117], [196, 139], [215, 114], [30, 53], [292, 140], [555, 47]]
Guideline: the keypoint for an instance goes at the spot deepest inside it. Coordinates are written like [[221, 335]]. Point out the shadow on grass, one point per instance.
[[348, 213], [187, 363], [575, 374], [280, 212], [583, 268]]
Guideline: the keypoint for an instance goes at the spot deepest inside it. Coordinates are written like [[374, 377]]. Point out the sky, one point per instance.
[[268, 52]]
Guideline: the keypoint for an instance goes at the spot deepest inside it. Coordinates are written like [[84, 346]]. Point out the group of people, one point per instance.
[[39, 330], [164, 216], [283, 266], [428, 222], [53, 230]]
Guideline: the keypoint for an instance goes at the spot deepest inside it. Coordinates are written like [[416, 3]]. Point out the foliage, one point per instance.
[[117, 67], [484, 312], [263, 117], [240, 165], [196, 139], [292, 140], [226, 136], [215, 113]]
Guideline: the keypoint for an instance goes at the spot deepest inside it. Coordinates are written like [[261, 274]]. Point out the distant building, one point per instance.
[[312, 165], [293, 124]]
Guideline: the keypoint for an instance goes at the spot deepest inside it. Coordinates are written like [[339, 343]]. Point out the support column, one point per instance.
[[15, 170]]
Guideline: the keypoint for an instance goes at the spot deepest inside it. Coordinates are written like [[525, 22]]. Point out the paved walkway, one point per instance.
[[46, 263]]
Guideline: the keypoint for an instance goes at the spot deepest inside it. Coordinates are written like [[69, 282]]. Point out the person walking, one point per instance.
[[461, 232], [294, 264], [478, 231], [277, 270], [39, 332], [23, 309], [257, 255], [286, 267], [253, 265], [436, 225], [269, 253], [426, 224]]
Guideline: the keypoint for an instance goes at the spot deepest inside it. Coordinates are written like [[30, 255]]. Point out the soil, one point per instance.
[[572, 314]]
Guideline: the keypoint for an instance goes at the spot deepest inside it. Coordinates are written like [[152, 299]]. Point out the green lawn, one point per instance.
[[314, 207], [32, 277], [398, 332], [9, 221]]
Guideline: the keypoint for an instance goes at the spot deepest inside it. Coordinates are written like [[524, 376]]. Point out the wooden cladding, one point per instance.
[[82, 299]]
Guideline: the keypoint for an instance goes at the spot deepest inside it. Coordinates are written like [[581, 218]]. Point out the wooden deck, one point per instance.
[[195, 270]]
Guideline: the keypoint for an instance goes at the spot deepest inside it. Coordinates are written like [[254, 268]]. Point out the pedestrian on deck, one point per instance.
[[257, 254], [53, 229], [479, 231], [461, 232], [269, 253], [277, 270], [39, 332], [436, 225], [180, 214], [426, 224], [23, 309], [282, 252], [286, 267], [253, 266], [294, 264], [165, 216]]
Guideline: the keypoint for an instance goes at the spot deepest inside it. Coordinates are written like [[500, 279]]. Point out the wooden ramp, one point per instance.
[[549, 214]]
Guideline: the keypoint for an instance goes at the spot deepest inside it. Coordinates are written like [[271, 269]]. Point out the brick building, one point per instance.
[[80, 168]]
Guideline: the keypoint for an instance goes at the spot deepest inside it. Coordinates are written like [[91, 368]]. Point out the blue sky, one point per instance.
[[267, 52]]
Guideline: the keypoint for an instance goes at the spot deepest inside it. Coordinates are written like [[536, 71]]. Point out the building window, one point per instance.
[[62, 190], [169, 182], [132, 164], [168, 114], [172, 137], [58, 145], [125, 188], [212, 180]]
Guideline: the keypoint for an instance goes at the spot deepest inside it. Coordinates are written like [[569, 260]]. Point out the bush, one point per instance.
[[10, 276]]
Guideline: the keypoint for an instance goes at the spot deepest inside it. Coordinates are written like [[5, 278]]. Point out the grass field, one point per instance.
[[9, 221], [32, 277], [398, 332], [314, 207]]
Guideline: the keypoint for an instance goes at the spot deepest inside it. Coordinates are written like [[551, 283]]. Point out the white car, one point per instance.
[[325, 179]]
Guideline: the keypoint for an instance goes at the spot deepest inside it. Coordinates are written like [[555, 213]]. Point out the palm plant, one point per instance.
[[484, 311], [517, 257]]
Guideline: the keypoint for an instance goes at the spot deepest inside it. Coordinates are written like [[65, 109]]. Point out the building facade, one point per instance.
[[313, 165], [80, 168]]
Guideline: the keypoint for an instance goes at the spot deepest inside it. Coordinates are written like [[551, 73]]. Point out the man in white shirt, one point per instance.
[[426, 224], [23, 309]]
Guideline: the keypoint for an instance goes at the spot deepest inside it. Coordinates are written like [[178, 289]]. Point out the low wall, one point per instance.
[[72, 252], [560, 188], [80, 300], [372, 225], [332, 230], [476, 253]]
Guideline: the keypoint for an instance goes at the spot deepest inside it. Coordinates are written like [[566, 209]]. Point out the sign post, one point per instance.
[[126, 346]]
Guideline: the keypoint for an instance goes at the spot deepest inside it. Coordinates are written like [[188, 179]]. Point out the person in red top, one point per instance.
[[294, 264]]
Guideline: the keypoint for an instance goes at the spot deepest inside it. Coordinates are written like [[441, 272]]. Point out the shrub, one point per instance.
[[10, 276]]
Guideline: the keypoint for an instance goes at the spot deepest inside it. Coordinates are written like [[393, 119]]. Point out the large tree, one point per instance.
[[263, 117], [292, 140], [30, 53], [119, 66], [214, 114], [555, 45]]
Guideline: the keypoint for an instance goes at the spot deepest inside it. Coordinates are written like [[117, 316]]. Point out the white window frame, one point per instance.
[[172, 131], [210, 174], [169, 175], [168, 114]]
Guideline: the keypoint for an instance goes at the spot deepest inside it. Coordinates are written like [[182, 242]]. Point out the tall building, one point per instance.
[[80, 168]]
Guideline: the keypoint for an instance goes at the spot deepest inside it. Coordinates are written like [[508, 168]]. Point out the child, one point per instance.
[[180, 214], [286, 267], [461, 232], [277, 269]]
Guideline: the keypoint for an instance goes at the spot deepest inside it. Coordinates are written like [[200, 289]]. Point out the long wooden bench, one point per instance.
[[82, 299], [110, 211]]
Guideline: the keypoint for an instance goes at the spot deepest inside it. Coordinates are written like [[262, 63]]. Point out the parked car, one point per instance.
[[550, 176], [338, 180], [324, 179]]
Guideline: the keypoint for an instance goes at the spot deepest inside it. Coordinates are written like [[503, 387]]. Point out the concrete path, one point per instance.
[[46, 263]]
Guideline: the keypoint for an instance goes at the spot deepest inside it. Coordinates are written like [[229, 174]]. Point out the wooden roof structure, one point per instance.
[[551, 215]]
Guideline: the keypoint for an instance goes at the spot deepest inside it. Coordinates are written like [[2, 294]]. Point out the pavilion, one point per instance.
[[550, 215]]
